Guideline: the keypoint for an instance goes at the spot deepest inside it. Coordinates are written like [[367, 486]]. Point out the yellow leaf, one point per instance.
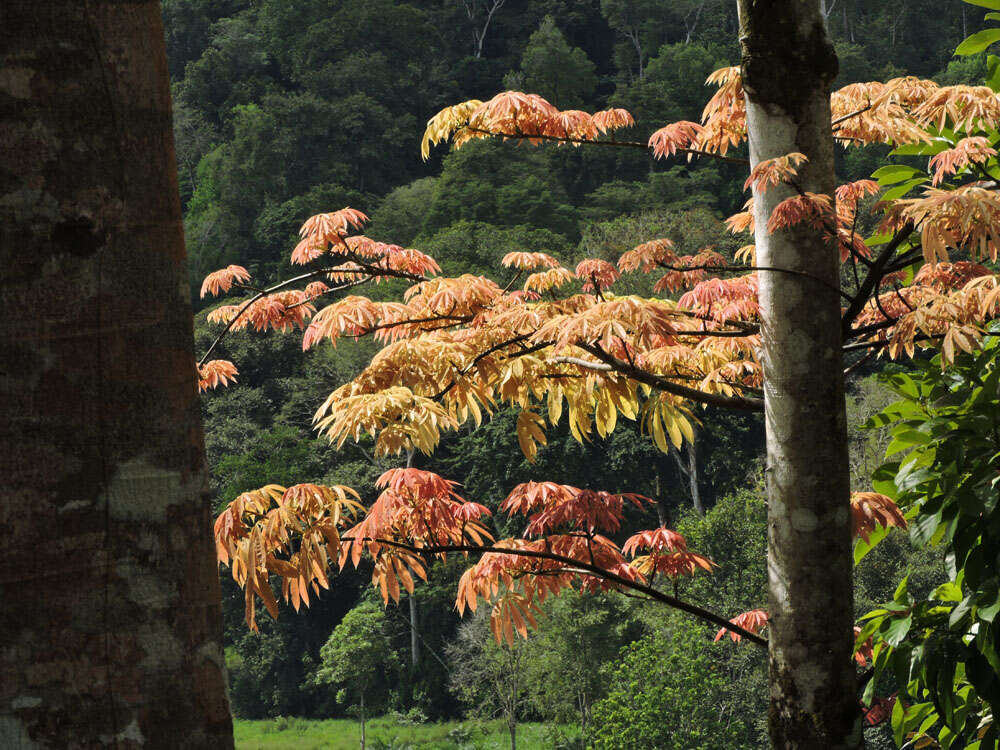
[[529, 433]]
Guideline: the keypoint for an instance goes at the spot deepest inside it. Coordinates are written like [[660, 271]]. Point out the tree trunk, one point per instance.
[[662, 512], [414, 636], [692, 474], [512, 728], [687, 467], [110, 622], [633, 36], [364, 738], [690, 26], [788, 65], [414, 632]]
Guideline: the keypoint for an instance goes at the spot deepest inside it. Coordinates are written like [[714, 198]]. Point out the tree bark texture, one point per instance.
[[788, 65], [110, 622]]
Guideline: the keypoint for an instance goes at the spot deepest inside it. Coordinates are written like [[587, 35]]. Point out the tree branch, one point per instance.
[[722, 269], [620, 144], [578, 565], [875, 275], [662, 384], [271, 290]]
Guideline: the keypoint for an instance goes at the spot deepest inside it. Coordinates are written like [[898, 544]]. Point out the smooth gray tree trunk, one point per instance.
[[414, 619], [687, 465], [414, 635], [788, 66], [110, 622]]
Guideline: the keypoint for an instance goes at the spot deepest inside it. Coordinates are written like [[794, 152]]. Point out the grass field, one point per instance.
[[384, 734]]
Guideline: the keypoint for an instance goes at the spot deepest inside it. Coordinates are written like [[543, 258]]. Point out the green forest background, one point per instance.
[[287, 108]]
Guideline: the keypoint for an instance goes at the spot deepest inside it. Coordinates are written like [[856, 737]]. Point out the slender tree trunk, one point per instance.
[[110, 621], [479, 36], [788, 65], [414, 632], [633, 36], [662, 512], [364, 738], [691, 25], [414, 636], [687, 465], [512, 728], [692, 474]]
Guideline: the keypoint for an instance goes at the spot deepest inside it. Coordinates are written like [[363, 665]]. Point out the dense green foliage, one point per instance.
[[284, 108], [669, 692], [943, 646]]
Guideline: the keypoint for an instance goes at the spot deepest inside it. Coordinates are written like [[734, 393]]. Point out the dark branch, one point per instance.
[[668, 386], [874, 277], [271, 290], [610, 142], [722, 269], [580, 565]]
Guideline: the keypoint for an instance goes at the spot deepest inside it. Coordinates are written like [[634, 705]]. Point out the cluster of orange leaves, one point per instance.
[[458, 347], [513, 114], [216, 372], [290, 532], [300, 532]]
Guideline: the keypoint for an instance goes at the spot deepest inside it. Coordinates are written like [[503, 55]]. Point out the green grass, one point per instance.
[[383, 733]]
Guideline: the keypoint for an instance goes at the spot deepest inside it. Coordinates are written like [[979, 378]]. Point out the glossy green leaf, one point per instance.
[[991, 4], [978, 42], [894, 173], [862, 548]]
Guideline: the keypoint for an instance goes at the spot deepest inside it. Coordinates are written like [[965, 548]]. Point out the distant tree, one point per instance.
[[357, 658], [194, 137], [489, 677], [673, 85], [565, 664], [554, 69], [480, 14], [669, 691], [400, 215]]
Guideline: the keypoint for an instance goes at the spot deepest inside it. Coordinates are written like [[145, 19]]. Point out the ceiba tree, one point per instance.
[[111, 618], [765, 331]]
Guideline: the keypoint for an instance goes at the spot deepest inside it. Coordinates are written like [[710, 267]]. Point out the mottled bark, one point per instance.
[[788, 66], [110, 623]]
